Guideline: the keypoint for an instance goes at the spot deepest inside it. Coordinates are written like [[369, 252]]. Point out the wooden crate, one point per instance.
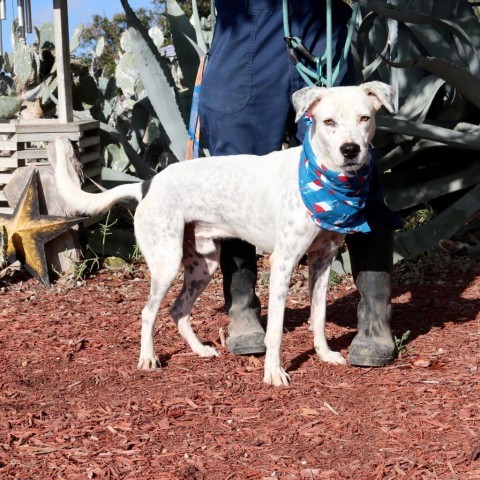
[[24, 142]]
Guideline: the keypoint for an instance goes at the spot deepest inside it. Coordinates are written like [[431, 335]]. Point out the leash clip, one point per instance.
[[292, 53], [297, 49]]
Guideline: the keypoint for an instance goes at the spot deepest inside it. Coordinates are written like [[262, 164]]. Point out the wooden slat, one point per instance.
[[93, 172], [8, 145], [7, 127], [5, 178], [89, 141], [53, 126], [11, 162], [45, 136], [89, 157], [47, 125], [32, 153], [85, 125], [62, 54]]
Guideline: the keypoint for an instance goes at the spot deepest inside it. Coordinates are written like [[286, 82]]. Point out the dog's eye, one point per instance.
[[364, 118], [329, 122]]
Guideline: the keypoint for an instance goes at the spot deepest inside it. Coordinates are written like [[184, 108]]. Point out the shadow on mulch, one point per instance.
[[425, 296]]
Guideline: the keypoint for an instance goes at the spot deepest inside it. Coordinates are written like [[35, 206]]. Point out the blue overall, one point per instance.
[[245, 105]]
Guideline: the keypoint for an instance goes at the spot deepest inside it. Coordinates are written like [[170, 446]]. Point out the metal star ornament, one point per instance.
[[28, 231]]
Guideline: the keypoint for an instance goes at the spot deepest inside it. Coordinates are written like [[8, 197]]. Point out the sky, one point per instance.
[[79, 11]]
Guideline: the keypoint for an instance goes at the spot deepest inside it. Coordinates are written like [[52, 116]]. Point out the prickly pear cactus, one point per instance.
[[116, 158], [23, 61], [9, 106], [126, 72]]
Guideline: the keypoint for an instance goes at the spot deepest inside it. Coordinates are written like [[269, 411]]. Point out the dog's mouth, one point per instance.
[[351, 166]]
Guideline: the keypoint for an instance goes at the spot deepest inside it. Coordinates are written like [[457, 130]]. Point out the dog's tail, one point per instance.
[[68, 183]]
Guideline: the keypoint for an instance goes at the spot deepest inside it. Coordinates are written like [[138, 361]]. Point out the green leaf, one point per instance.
[[158, 83], [183, 35]]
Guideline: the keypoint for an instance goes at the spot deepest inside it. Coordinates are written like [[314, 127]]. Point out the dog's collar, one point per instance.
[[334, 200]]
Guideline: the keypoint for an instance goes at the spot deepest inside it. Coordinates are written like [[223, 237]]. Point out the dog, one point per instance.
[[185, 210]]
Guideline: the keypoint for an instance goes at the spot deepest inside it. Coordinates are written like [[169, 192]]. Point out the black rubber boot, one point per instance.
[[371, 258], [238, 261]]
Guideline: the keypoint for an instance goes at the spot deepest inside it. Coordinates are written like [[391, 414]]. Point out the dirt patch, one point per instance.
[[74, 406]]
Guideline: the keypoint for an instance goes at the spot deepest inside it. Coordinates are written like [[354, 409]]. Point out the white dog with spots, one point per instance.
[[186, 209]]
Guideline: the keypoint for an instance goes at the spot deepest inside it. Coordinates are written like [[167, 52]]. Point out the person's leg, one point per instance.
[[238, 262], [243, 109], [371, 259]]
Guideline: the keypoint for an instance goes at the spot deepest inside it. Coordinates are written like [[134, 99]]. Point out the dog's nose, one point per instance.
[[350, 150]]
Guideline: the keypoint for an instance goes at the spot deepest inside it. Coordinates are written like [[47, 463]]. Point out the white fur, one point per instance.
[[193, 204]]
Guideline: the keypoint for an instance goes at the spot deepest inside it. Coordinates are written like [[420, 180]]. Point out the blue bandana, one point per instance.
[[335, 200]]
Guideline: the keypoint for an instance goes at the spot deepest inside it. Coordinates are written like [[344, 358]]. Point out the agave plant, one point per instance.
[[428, 151], [428, 52]]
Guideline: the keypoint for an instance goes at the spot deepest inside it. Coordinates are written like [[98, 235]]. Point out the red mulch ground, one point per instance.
[[74, 406]]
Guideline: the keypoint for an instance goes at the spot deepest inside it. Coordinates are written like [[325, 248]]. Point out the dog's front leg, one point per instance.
[[280, 274], [319, 266]]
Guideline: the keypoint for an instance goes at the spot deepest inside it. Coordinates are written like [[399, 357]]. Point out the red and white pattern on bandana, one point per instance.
[[335, 200]]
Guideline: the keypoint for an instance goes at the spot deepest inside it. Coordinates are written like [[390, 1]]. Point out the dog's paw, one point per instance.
[[329, 356], [148, 363], [206, 352], [277, 377]]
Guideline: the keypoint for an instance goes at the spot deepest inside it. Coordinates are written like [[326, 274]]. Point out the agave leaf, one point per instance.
[[418, 102], [373, 66], [403, 151], [197, 48], [401, 193], [140, 117], [420, 34], [198, 27], [111, 177], [421, 130], [460, 78], [158, 83], [411, 243], [183, 35], [405, 15]]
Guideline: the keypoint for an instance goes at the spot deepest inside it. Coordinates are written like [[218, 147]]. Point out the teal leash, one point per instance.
[[299, 54]]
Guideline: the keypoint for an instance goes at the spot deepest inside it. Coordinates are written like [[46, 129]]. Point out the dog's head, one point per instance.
[[343, 121]]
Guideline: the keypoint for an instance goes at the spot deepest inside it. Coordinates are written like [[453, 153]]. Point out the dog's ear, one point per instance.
[[381, 93], [305, 99]]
